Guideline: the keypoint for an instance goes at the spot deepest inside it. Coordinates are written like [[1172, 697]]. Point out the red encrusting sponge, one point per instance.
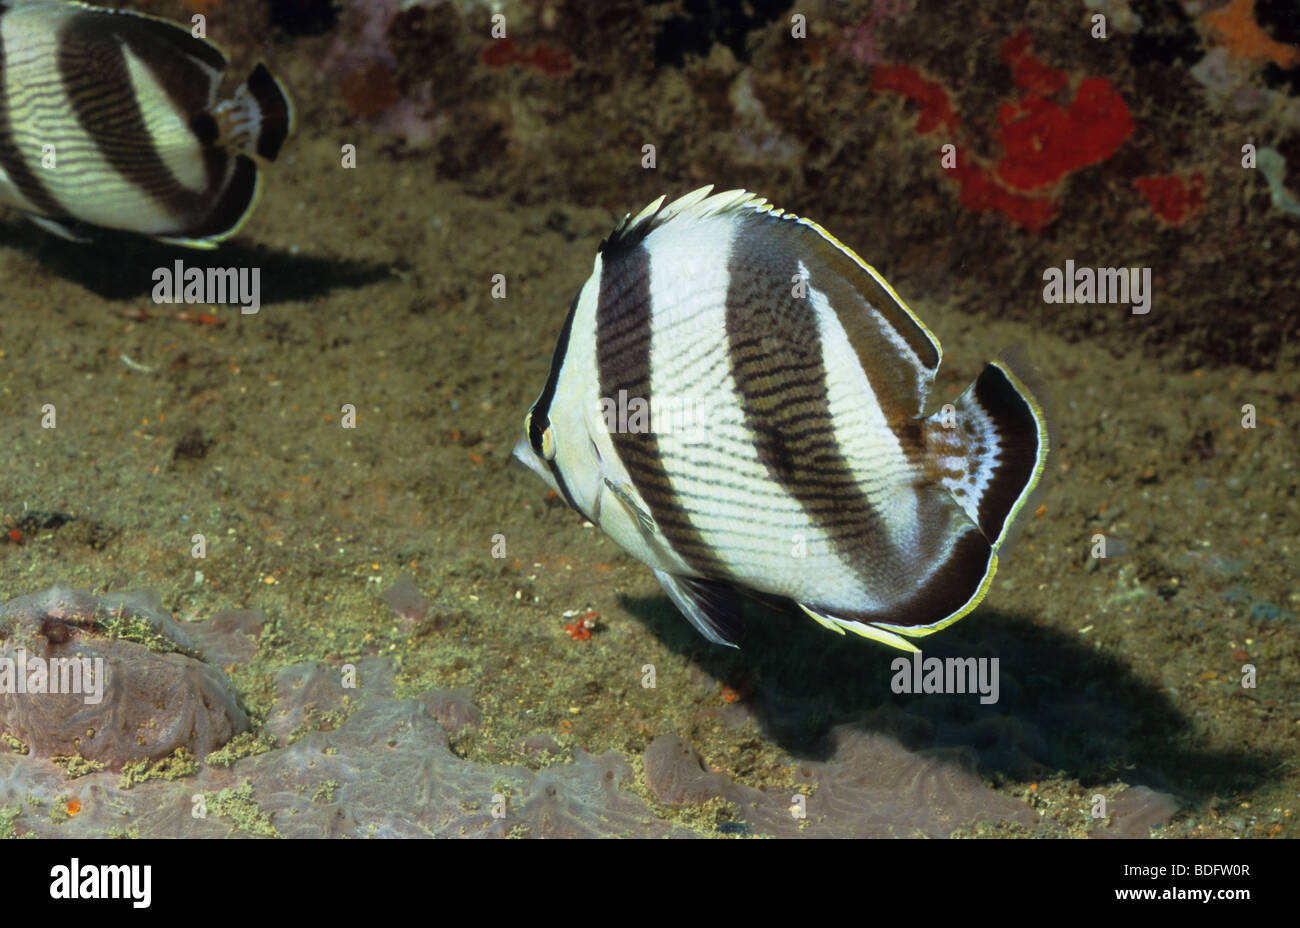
[[1172, 198], [1042, 141]]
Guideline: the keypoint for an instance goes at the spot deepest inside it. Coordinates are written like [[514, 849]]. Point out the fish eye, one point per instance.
[[540, 435]]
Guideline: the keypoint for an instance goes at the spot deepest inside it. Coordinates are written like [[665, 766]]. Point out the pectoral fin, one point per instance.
[[713, 608], [624, 496]]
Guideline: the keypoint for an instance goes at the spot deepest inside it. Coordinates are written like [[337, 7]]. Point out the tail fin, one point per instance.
[[990, 449], [259, 117]]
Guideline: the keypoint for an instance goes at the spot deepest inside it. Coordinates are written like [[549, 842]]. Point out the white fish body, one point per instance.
[[111, 119], [805, 471]]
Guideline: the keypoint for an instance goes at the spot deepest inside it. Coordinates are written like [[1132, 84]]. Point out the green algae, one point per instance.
[[8, 816], [74, 765], [245, 744], [15, 744], [237, 804], [325, 792], [124, 625], [709, 815], [59, 809], [315, 719], [179, 763]]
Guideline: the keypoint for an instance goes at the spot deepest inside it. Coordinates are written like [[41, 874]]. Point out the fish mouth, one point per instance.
[[523, 452], [528, 457]]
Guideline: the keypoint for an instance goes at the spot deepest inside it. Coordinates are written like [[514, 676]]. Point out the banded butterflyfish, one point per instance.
[[112, 119], [738, 400]]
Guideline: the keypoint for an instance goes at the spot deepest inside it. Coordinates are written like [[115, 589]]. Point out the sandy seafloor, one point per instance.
[[377, 292]]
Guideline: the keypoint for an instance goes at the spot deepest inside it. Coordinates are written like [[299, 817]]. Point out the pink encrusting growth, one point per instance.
[[1043, 142], [863, 40]]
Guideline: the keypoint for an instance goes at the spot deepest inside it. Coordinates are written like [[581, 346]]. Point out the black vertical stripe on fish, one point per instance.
[[541, 411], [870, 315], [205, 128], [13, 162], [623, 338], [775, 347], [539, 417], [97, 81]]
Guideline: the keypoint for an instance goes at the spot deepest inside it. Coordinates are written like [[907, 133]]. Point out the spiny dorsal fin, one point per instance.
[[692, 207]]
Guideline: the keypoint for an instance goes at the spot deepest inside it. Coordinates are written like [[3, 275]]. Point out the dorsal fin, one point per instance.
[[699, 204], [692, 207]]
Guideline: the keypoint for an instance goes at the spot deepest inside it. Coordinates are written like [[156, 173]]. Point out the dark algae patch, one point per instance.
[[393, 629]]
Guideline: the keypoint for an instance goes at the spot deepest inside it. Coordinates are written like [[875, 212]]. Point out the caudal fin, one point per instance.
[[990, 449], [258, 118]]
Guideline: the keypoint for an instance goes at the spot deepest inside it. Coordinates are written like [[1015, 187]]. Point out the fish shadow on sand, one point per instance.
[[1062, 705], [121, 267]]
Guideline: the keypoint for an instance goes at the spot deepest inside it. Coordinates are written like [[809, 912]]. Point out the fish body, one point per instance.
[[112, 119], [806, 471]]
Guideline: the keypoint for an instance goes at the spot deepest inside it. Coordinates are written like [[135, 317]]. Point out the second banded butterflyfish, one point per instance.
[[114, 119]]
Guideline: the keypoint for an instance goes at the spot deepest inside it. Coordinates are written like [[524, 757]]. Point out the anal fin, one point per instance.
[[200, 244], [865, 629], [713, 608]]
